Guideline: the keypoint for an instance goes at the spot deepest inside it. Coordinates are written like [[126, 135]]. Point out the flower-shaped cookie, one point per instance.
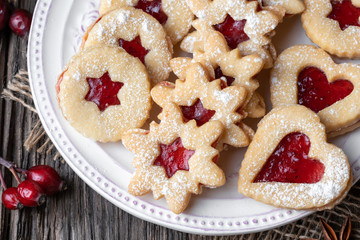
[[229, 66], [334, 25], [205, 100], [242, 25], [174, 159], [175, 16], [99, 90], [137, 33], [289, 164], [291, 6], [308, 76]]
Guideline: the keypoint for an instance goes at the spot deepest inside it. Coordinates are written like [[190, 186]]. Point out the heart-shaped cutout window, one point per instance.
[[316, 92], [290, 163]]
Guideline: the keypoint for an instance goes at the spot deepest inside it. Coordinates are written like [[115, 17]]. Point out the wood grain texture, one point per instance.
[[81, 213]]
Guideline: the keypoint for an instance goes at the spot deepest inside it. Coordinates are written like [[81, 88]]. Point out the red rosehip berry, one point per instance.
[[30, 194], [4, 14], [10, 199], [47, 178], [20, 22]]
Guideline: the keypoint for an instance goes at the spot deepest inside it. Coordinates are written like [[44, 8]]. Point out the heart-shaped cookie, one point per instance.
[[308, 76], [289, 163]]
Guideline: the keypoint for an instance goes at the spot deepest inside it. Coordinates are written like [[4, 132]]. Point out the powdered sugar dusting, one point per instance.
[[178, 188], [277, 124], [225, 102], [340, 115], [179, 16], [258, 25], [114, 121], [128, 23], [326, 32]]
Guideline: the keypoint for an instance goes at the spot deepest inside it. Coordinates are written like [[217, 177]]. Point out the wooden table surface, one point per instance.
[[78, 213]]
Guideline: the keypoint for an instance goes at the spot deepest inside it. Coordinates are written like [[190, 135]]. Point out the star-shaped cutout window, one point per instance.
[[174, 157], [103, 91], [345, 13], [233, 31]]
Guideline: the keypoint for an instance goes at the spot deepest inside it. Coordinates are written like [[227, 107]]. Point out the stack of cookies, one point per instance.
[[105, 93]]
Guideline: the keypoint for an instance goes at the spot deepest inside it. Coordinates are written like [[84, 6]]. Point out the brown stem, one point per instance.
[[5, 163], [12, 170], [12, 167]]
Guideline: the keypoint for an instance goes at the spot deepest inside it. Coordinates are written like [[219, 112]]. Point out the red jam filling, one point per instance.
[[103, 92], [315, 91], [290, 163], [134, 48], [233, 31], [345, 13], [154, 9], [219, 74], [197, 112], [174, 157]]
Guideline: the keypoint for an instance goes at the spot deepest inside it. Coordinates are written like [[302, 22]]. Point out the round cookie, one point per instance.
[[175, 16], [104, 92], [325, 26], [137, 33]]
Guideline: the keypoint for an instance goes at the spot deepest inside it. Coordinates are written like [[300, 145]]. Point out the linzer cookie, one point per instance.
[[99, 90], [289, 164], [308, 76], [243, 24], [334, 25], [174, 159], [137, 33], [175, 16], [204, 99], [229, 66]]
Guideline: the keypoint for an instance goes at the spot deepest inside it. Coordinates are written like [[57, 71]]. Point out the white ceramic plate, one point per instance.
[[55, 35]]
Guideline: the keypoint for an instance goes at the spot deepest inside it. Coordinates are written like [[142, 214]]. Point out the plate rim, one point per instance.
[[91, 176]]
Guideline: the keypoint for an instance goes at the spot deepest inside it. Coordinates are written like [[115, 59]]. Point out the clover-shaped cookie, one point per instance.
[[334, 25], [289, 164], [175, 159], [239, 21], [205, 100], [137, 33], [308, 76], [175, 16], [99, 90], [291, 6], [230, 66]]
